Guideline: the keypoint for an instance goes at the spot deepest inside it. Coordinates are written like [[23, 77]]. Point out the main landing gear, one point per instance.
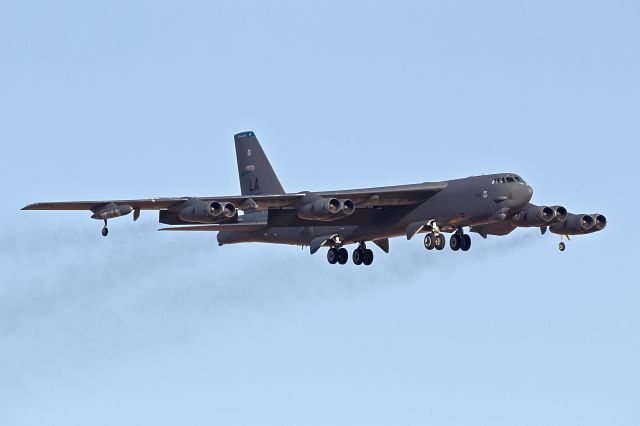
[[436, 239], [433, 240], [105, 230], [362, 255], [337, 255], [460, 241]]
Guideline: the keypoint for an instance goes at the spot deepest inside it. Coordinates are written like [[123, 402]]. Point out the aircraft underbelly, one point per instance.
[[303, 235]]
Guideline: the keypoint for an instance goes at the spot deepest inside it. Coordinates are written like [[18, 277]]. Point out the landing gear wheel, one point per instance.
[[562, 246], [367, 257], [454, 242], [440, 241], [343, 256], [332, 255], [429, 241], [465, 243], [357, 256], [105, 231]]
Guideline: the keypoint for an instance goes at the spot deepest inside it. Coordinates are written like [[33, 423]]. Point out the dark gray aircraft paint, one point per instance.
[[487, 205]]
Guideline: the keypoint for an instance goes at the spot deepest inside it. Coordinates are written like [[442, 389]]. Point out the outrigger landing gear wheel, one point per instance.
[[562, 246]]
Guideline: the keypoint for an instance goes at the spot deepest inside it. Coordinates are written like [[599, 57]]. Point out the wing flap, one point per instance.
[[402, 195], [240, 227]]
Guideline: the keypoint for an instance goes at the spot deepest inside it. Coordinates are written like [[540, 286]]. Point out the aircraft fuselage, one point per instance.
[[471, 201]]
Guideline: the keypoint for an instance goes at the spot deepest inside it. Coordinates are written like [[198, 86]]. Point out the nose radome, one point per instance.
[[522, 194]]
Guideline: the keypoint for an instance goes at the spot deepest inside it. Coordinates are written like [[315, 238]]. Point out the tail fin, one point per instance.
[[254, 170]]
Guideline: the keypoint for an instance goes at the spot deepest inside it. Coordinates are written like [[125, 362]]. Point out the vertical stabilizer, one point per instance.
[[254, 170]]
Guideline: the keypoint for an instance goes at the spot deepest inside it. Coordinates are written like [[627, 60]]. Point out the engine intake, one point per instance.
[[229, 210], [347, 207], [199, 211], [561, 213], [326, 209], [535, 216], [601, 221]]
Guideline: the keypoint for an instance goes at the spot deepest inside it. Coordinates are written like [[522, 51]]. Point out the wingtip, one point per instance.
[[29, 207]]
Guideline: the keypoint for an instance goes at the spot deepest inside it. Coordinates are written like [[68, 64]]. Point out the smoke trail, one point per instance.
[[93, 301]]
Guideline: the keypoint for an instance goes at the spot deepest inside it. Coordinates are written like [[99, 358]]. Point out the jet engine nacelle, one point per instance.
[[347, 207], [110, 211], [574, 224], [600, 222], [535, 216], [561, 213], [199, 211], [326, 209]]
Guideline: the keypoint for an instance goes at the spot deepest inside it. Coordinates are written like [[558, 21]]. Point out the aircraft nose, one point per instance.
[[522, 194]]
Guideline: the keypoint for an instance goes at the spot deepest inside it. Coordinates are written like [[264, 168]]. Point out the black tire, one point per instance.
[[429, 241], [332, 256], [105, 231], [465, 243], [454, 242], [440, 241], [367, 257], [343, 256], [357, 256], [562, 246]]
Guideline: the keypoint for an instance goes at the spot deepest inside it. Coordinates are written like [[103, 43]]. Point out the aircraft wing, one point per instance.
[[402, 195], [368, 197], [243, 202]]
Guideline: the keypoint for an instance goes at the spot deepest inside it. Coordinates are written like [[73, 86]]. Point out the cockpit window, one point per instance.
[[508, 179]]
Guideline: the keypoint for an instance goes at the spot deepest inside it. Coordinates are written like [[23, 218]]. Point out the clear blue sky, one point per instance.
[[138, 99]]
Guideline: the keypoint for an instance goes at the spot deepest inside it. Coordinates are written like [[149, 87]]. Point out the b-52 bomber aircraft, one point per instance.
[[487, 205]]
